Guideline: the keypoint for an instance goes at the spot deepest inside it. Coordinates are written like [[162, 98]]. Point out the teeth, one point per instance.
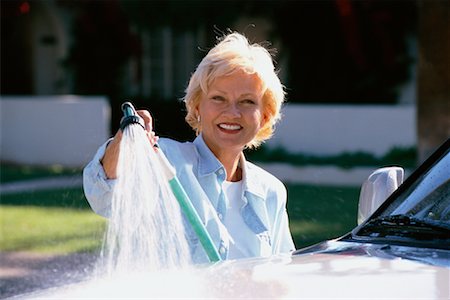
[[230, 127]]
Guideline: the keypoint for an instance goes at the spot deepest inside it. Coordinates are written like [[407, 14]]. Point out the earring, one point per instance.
[[197, 130]]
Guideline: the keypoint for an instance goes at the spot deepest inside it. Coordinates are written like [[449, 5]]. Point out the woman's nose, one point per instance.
[[233, 110]]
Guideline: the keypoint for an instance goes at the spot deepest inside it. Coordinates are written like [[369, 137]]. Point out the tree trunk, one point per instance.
[[433, 105]]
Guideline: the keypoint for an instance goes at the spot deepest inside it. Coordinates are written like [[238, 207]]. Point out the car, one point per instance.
[[399, 250]]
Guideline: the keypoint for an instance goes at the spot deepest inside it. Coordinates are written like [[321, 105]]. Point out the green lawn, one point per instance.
[[61, 222], [317, 213], [49, 229], [56, 221]]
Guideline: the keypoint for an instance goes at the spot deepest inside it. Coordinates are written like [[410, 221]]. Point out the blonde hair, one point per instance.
[[231, 54]]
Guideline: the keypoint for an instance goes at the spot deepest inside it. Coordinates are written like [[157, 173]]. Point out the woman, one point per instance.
[[233, 101]]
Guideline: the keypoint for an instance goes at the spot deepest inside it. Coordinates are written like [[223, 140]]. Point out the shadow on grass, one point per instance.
[[318, 213], [12, 172], [65, 198]]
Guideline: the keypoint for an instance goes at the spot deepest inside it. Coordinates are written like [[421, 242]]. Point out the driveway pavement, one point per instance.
[[26, 272]]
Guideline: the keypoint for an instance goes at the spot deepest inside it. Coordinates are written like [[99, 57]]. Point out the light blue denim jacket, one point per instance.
[[201, 175]]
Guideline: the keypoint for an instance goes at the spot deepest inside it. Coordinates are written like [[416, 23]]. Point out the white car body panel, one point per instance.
[[307, 276]]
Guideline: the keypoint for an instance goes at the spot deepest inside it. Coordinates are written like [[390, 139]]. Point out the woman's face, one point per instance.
[[231, 112]]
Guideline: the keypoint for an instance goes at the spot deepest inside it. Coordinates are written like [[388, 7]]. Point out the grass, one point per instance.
[[398, 156], [318, 213], [60, 221], [55, 221], [49, 230]]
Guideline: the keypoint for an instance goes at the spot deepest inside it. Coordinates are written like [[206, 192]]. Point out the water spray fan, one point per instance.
[[131, 117]]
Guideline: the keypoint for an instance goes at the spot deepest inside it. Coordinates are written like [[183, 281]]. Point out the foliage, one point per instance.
[[12, 172], [338, 51], [103, 43], [181, 15], [404, 157], [168, 117], [346, 51]]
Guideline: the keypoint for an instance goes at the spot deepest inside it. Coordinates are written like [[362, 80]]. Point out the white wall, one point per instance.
[[67, 130], [46, 130], [333, 129]]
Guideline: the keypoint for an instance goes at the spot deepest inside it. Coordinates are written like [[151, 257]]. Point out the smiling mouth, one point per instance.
[[230, 127]]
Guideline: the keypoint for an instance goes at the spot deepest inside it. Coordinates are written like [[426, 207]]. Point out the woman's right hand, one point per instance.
[[111, 157], [148, 124]]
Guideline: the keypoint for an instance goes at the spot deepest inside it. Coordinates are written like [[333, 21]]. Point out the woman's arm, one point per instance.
[[100, 173], [96, 185], [111, 157]]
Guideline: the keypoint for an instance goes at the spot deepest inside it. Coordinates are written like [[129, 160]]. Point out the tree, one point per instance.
[[345, 51], [103, 43], [434, 76]]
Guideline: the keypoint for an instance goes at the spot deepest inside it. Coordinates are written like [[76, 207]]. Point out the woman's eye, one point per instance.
[[217, 98], [248, 101]]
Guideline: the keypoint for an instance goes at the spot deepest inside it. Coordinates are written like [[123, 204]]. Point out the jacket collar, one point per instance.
[[252, 184], [209, 164]]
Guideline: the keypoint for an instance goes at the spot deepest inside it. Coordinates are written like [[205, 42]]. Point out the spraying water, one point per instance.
[[145, 244], [145, 230]]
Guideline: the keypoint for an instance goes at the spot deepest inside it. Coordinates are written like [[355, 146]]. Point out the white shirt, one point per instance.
[[234, 221], [266, 229]]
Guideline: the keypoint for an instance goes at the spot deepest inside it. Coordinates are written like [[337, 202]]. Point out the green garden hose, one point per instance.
[[131, 117]]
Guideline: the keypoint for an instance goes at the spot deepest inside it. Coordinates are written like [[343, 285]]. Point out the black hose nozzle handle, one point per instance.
[[130, 116]]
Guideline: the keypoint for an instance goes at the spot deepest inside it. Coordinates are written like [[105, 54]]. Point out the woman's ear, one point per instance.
[[197, 112], [264, 119]]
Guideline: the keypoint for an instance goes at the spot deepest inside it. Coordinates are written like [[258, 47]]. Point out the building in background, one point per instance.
[[335, 52]]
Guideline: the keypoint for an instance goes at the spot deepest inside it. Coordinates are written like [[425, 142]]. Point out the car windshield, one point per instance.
[[420, 210], [428, 197]]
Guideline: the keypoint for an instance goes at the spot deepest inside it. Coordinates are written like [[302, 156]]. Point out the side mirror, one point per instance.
[[377, 188]]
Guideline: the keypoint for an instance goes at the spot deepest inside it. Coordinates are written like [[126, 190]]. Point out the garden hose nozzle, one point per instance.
[[130, 116]]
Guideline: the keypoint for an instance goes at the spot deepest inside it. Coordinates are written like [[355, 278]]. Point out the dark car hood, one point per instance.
[[437, 257]]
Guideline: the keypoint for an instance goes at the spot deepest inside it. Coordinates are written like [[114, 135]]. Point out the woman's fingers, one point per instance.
[[148, 120], [145, 115], [152, 137]]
